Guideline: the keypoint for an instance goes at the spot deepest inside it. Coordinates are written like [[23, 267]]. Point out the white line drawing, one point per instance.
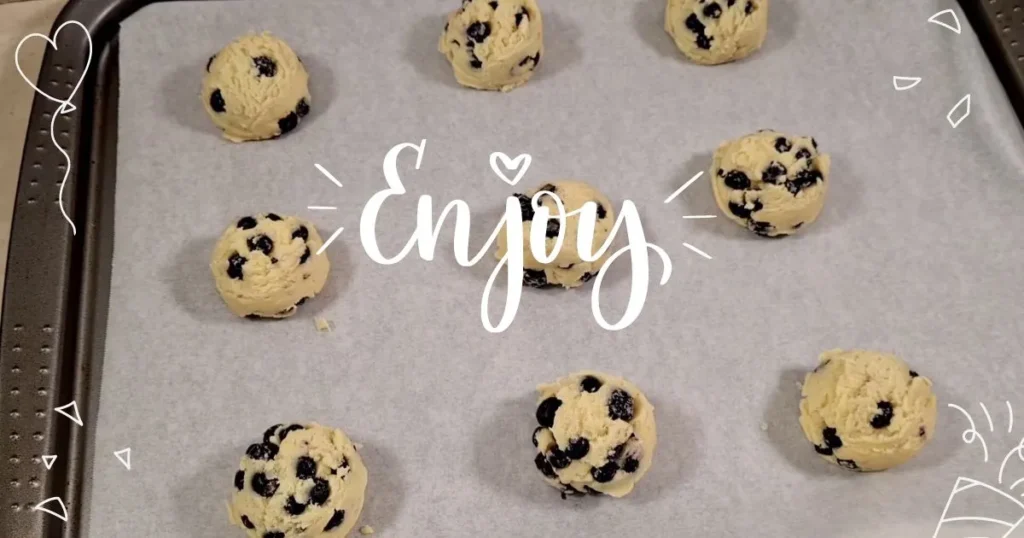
[[330, 240], [909, 82], [964, 483], [683, 188], [520, 163], [48, 461], [984, 409], [697, 250], [63, 515], [125, 457], [65, 106], [328, 174], [1009, 410], [699, 216], [76, 418], [972, 432], [1019, 451], [965, 103], [1017, 483], [934, 19], [322, 207]]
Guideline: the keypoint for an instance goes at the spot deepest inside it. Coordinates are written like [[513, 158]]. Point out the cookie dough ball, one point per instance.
[[567, 269], [266, 266], [770, 183], [596, 434], [494, 45], [712, 32], [867, 411], [256, 88], [301, 481]]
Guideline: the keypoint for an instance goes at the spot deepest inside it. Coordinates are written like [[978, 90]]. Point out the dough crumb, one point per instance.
[[764, 426], [323, 325], [366, 530]]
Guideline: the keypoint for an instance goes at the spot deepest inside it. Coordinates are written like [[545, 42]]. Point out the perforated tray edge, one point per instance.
[[53, 322]]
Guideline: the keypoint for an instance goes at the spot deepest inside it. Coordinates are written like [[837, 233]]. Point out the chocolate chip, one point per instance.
[[302, 109], [713, 10], [494, 5], [694, 25], [763, 229], [601, 211], [217, 102], [293, 507], [552, 228], [585, 277], [546, 411], [301, 233], [631, 465], [535, 59], [742, 212], [262, 451], [913, 374], [305, 468], [475, 63], [590, 384], [704, 42], [558, 459], [265, 65], [782, 145], [248, 524], [578, 448], [288, 123], [210, 61], [544, 467], [261, 243], [478, 31], [263, 486], [273, 534], [849, 464], [284, 433], [270, 433], [273, 216], [620, 405], [246, 223], [535, 278], [749, 9], [773, 172], [605, 473], [803, 153], [535, 432], [240, 480], [525, 207], [824, 450], [337, 519], [737, 180], [921, 432], [831, 438], [884, 417], [320, 493], [814, 143], [235, 263], [305, 256], [803, 179], [523, 14]]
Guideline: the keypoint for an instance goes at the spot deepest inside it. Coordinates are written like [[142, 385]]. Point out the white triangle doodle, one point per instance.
[[125, 457], [63, 515], [76, 418], [908, 82], [48, 461], [934, 19], [964, 103]]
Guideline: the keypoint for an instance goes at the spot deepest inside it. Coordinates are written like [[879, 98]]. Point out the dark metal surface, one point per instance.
[[55, 300]]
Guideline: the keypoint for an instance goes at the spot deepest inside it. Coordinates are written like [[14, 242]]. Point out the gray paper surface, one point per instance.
[[918, 253]]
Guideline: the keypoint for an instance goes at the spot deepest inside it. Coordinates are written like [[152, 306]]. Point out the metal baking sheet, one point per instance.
[[914, 254]]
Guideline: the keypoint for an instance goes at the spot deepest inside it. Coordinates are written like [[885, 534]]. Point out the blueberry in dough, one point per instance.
[[493, 45], [866, 410], [718, 31], [263, 266], [256, 88], [616, 451], [325, 491]]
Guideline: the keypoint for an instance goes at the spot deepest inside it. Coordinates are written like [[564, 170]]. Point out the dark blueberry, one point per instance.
[[209, 62], [803, 153], [273, 534], [305, 468], [569, 491], [320, 492], [704, 42], [601, 211], [578, 448], [590, 384], [749, 9], [263, 486], [535, 432], [235, 263], [302, 301], [305, 256], [832, 440], [337, 519], [585, 277], [694, 24], [797, 225], [849, 464], [273, 216], [478, 31], [558, 459], [620, 405], [265, 66], [803, 179], [273, 259], [535, 59], [764, 229], [288, 123], [446, 27], [631, 465], [713, 10], [294, 507], [240, 480], [284, 433], [605, 473], [474, 62], [525, 207], [742, 212], [271, 432], [913, 374], [302, 109], [494, 5], [521, 15], [824, 364], [737, 180], [543, 466], [262, 451], [553, 228], [246, 223], [535, 278], [814, 143], [217, 102], [248, 524], [823, 450], [884, 416], [261, 243], [921, 432], [773, 172], [253, 316], [547, 187], [721, 172], [546, 411], [301, 233], [617, 452], [782, 145], [730, 3]]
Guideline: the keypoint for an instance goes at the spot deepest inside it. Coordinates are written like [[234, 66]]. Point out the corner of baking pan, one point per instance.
[[1003, 41]]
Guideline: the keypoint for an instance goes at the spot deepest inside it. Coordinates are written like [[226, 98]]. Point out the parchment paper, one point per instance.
[[918, 252]]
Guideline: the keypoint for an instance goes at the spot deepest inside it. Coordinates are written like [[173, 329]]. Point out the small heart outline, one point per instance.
[[65, 104], [521, 163]]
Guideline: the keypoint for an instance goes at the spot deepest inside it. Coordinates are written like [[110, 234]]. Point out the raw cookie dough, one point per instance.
[[596, 434], [266, 266], [256, 88], [770, 183], [567, 269], [712, 32], [866, 411], [493, 45], [303, 481]]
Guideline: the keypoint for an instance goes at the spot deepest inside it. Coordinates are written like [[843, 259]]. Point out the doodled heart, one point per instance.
[[66, 106], [519, 165]]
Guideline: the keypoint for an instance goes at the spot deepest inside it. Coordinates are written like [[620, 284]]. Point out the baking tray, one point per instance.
[[55, 303]]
